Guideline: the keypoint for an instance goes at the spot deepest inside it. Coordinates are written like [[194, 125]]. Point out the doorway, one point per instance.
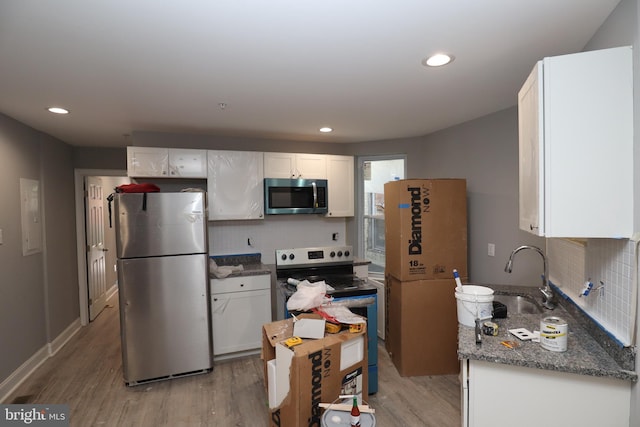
[[373, 173], [95, 239]]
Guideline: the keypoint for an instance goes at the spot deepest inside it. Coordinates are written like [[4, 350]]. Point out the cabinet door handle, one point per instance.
[[215, 299]]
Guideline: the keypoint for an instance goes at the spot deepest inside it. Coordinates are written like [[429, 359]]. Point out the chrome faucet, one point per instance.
[[548, 298]]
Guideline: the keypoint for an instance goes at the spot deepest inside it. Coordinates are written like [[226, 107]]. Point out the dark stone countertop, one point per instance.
[[251, 265], [585, 355]]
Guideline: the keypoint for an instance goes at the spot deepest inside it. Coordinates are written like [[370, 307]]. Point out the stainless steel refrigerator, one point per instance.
[[165, 321]]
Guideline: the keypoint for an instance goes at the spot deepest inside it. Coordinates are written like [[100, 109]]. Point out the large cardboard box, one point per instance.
[[422, 326], [316, 371], [425, 228]]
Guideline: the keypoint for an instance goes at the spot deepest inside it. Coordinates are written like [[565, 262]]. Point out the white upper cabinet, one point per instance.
[[295, 165], [340, 183], [575, 120], [166, 162], [184, 163], [235, 185], [148, 161]]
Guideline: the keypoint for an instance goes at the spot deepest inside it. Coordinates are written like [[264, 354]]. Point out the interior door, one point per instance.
[[94, 224]]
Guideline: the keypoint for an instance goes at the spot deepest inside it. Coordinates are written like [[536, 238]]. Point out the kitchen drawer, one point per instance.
[[239, 284]]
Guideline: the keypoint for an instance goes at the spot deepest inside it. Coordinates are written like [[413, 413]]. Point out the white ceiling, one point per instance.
[[283, 67]]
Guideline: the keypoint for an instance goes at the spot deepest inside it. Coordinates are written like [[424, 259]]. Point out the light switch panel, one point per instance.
[[1, 239]]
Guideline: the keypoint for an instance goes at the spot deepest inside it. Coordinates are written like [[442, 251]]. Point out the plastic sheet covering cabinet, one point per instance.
[[235, 185], [157, 162]]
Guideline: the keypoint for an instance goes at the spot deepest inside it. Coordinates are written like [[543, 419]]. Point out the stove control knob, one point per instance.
[[291, 256], [339, 253], [346, 253], [283, 257], [332, 254]]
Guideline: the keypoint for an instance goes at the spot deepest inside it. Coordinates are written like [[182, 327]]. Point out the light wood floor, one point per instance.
[[86, 374]]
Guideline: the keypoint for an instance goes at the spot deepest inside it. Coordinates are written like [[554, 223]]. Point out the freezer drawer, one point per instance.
[[164, 316]]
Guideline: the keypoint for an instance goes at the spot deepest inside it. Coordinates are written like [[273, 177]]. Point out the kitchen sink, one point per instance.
[[519, 304]]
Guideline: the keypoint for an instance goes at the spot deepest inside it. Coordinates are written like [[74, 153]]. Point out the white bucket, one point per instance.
[[332, 418], [474, 302]]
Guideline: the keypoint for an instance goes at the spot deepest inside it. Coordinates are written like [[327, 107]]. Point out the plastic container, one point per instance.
[[474, 302]]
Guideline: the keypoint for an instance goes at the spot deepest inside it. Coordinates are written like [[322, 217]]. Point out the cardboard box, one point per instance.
[[425, 228], [422, 326], [316, 371]]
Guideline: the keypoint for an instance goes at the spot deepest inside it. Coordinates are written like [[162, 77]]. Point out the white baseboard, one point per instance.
[[112, 291], [64, 337], [18, 376]]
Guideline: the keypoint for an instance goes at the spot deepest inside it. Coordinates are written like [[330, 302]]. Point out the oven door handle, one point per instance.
[[315, 195]]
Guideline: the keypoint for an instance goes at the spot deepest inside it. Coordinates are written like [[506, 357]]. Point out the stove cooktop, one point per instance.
[[343, 286], [331, 264]]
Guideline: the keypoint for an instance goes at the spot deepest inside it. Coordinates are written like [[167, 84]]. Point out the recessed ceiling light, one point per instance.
[[326, 129], [58, 110], [438, 60]]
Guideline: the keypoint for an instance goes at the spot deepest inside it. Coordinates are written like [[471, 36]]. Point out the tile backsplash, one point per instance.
[[610, 264]]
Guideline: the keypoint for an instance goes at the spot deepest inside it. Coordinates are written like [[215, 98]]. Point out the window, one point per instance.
[[374, 172]]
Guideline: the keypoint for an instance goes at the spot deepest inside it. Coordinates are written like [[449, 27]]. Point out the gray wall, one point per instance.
[[33, 311], [485, 153], [61, 265], [158, 139]]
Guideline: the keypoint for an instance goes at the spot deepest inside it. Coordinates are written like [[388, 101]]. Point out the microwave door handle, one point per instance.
[[315, 195]]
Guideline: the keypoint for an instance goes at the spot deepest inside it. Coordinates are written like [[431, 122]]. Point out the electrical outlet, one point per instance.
[[334, 236], [491, 249]]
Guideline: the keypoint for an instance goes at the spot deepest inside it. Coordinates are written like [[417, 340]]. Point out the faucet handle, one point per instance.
[[548, 299]]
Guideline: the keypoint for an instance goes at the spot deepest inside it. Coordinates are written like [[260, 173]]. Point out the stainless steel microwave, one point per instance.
[[295, 196]]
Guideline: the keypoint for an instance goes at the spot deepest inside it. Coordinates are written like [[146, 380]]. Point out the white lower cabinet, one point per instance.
[[494, 394], [382, 306], [239, 308]]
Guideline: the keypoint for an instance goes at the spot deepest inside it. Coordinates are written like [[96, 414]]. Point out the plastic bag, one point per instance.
[[307, 296]]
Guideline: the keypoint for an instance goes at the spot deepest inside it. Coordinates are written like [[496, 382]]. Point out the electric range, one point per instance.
[[334, 265], [331, 264]]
